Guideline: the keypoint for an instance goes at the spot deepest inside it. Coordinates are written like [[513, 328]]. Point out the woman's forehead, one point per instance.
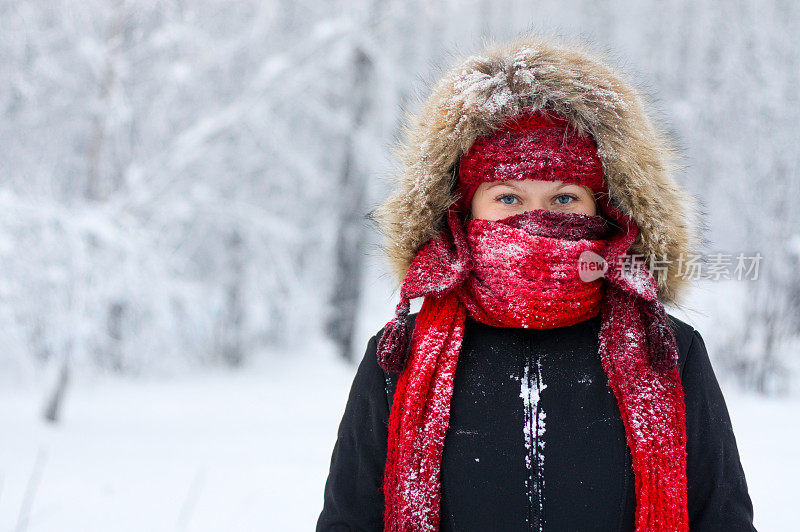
[[523, 183]]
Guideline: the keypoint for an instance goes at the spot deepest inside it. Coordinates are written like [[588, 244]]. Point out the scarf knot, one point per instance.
[[516, 262]]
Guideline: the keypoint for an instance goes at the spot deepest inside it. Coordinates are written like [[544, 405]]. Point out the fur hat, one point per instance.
[[534, 72]]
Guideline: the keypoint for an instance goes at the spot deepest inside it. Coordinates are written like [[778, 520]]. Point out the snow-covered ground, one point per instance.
[[249, 450], [767, 432], [246, 450]]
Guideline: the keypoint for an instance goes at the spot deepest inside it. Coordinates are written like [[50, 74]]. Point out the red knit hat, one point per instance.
[[532, 145]]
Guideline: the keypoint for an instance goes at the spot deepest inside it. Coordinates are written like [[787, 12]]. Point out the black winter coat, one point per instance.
[[588, 480]]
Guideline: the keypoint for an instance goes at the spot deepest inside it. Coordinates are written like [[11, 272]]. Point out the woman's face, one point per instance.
[[499, 199]]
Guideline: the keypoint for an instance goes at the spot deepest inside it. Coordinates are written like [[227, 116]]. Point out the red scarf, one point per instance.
[[522, 272]]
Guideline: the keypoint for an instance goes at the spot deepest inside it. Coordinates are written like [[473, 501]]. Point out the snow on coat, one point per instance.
[[503, 468]]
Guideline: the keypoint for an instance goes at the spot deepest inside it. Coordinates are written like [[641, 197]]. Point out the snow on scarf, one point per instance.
[[522, 271]]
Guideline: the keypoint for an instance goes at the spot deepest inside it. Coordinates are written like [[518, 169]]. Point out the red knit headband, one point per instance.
[[532, 145]]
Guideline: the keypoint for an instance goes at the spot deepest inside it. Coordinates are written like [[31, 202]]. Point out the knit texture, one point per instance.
[[536, 145], [522, 271]]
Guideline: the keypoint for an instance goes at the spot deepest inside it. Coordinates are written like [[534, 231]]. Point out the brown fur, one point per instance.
[[484, 90]]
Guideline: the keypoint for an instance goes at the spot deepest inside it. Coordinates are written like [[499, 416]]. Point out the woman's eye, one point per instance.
[[566, 197], [502, 198]]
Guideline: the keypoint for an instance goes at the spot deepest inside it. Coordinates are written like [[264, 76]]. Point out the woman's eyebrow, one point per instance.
[[566, 184], [506, 183]]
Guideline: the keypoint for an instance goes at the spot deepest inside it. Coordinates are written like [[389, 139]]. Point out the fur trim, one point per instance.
[[479, 94]]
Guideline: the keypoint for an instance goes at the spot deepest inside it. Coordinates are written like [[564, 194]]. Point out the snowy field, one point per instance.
[[249, 451]]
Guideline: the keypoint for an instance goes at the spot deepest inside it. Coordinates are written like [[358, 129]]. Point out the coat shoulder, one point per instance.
[[412, 320], [390, 379], [684, 337]]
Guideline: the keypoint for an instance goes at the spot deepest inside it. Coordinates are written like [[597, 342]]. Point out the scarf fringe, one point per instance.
[[650, 398], [420, 416], [394, 346]]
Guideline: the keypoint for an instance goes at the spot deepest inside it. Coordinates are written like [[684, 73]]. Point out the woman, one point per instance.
[[542, 385]]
